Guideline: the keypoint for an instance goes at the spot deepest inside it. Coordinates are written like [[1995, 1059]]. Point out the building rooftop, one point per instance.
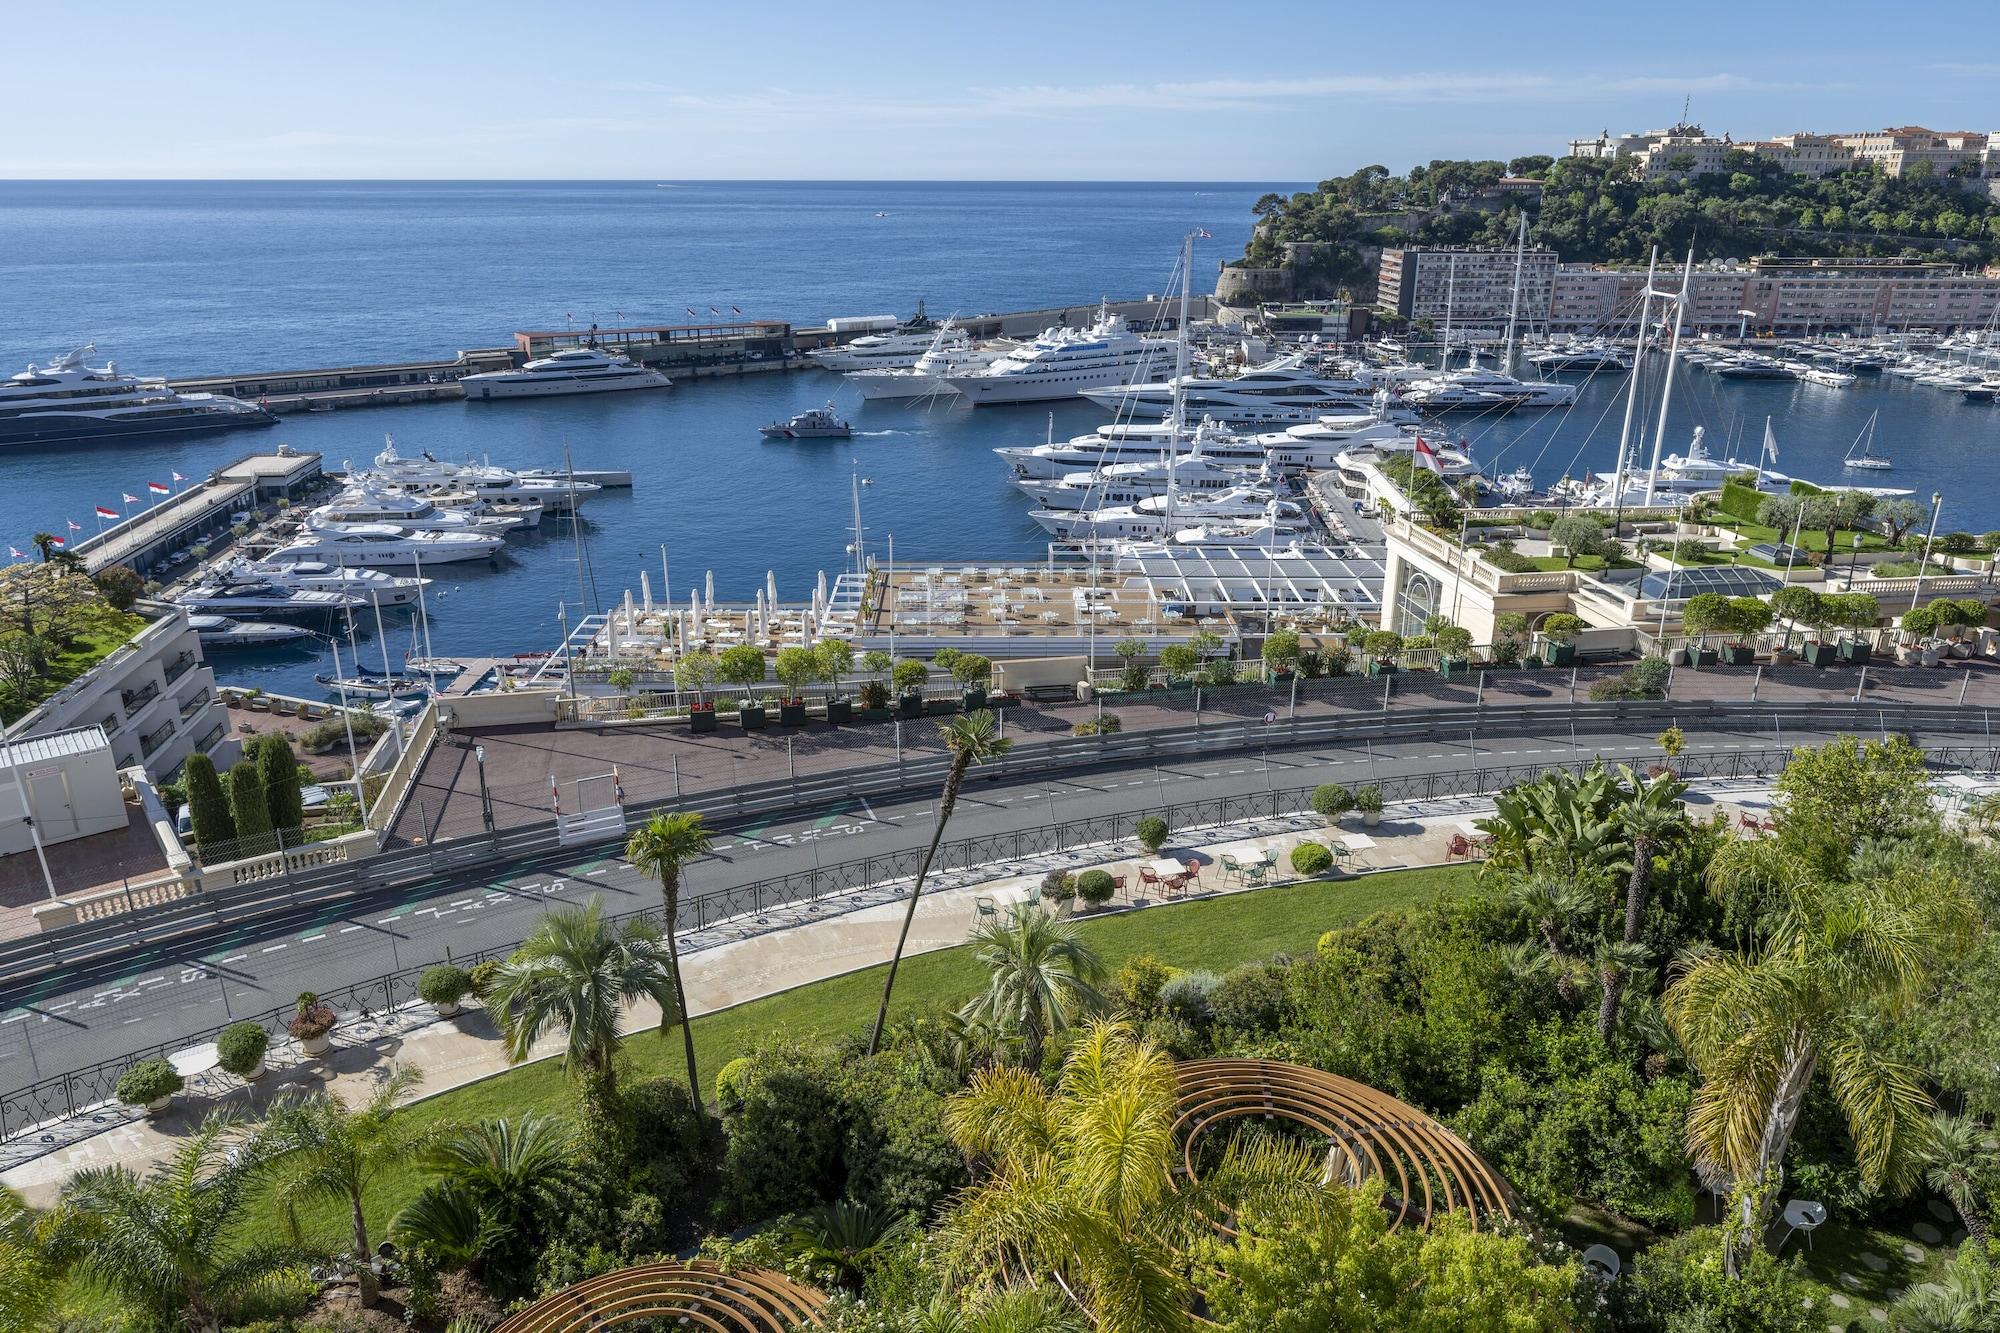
[[1729, 580], [59, 745]]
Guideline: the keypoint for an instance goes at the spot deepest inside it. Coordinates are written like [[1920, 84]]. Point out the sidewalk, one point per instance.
[[809, 944]]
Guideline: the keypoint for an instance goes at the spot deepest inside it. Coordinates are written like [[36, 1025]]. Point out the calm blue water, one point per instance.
[[179, 279]]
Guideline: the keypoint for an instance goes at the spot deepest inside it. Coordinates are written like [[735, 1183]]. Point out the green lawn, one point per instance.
[[1809, 540], [1214, 933], [105, 630]]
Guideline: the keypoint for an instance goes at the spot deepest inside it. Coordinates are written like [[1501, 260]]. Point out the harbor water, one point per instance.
[[341, 274]]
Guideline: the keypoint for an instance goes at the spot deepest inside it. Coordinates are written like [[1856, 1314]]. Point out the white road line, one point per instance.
[[310, 938], [239, 957], [345, 930], [271, 948], [601, 870], [383, 921]]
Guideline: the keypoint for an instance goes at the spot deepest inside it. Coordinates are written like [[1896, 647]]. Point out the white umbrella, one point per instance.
[[708, 597], [760, 615], [771, 588], [631, 624], [646, 589], [820, 594]]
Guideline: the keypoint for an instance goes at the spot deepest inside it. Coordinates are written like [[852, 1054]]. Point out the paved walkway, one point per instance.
[[764, 958]]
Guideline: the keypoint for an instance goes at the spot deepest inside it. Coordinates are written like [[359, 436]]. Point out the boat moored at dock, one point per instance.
[[72, 400], [570, 371]]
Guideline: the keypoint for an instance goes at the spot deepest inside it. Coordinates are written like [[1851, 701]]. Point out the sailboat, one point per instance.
[[1866, 443]]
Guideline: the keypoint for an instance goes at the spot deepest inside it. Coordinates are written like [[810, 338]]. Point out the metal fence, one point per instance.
[[84, 1090]]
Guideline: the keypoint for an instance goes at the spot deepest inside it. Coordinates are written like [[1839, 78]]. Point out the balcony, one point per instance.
[[180, 666], [134, 700], [157, 737], [194, 703], [212, 737]]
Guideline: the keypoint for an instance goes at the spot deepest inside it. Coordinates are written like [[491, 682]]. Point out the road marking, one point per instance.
[[239, 957], [387, 919], [272, 948], [345, 930], [308, 939]]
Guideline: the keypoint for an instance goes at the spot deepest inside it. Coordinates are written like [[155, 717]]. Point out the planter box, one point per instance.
[[1454, 666], [447, 1010], [319, 1045], [877, 714], [159, 1104], [940, 707], [792, 713], [974, 699], [1738, 654], [702, 720], [753, 718], [1532, 664], [1561, 654], [841, 710], [911, 705], [1381, 668], [1821, 654], [1856, 652], [1706, 657], [1678, 657], [1370, 818]]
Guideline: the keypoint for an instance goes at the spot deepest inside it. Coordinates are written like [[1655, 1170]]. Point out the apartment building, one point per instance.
[[1784, 296], [1895, 150], [1476, 285], [154, 696]]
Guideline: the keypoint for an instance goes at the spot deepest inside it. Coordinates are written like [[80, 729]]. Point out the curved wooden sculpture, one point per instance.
[[1427, 1168], [694, 1295]]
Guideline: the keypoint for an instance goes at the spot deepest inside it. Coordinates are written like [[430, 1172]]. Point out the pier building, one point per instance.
[[162, 536]]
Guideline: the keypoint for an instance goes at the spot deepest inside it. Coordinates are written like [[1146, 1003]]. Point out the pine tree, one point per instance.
[[251, 809], [207, 806], [280, 770]]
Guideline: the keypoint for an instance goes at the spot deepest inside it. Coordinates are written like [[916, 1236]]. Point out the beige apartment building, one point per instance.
[[1783, 296], [1477, 285], [1895, 150]]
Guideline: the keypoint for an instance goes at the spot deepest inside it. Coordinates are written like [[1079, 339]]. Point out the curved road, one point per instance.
[[71, 1020]]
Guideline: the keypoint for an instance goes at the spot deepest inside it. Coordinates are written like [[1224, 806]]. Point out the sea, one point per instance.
[[190, 278]]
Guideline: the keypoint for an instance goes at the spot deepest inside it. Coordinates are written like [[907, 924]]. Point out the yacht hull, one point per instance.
[[478, 390], [59, 428]]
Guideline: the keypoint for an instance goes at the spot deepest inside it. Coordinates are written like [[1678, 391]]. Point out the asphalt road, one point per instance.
[[68, 1021]]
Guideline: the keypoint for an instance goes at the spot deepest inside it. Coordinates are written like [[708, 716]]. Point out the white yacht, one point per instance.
[[1352, 463], [1298, 448], [383, 545], [427, 475], [930, 372], [890, 351], [1152, 519], [1680, 478], [1063, 362], [1282, 392], [371, 587], [820, 423], [1576, 354], [229, 594], [372, 504], [572, 370], [1192, 473], [71, 400], [1476, 390], [224, 632]]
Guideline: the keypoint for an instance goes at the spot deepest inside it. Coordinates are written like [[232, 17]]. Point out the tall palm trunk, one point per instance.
[[364, 1273], [1636, 890], [960, 762], [1613, 977], [670, 890], [1787, 1100], [1969, 1213]]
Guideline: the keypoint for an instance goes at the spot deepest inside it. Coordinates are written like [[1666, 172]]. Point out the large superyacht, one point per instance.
[[1063, 362], [71, 400], [1283, 392]]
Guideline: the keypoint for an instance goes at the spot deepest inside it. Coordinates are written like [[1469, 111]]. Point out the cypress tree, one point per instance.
[[280, 770], [207, 806], [250, 808]]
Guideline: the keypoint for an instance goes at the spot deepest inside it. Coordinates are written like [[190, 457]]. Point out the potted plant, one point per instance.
[[240, 1050], [1857, 611], [1795, 606], [1330, 801], [1919, 624], [1509, 629], [796, 668], [1095, 887], [1820, 650], [1179, 661], [909, 678], [1281, 653], [1704, 614], [743, 666], [1131, 675], [1151, 832], [973, 674], [150, 1084], [874, 701], [444, 988], [1059, 888], [1381, 646], [697, 671], [836, 660], [1311, 860], [1560, 631], [1454, 645], [1368, 801], [1748, 617], [312, 1024]]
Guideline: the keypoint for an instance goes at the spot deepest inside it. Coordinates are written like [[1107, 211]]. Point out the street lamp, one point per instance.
[[485, 796], [1937, 504]]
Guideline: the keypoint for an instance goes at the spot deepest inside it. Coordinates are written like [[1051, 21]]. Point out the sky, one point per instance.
[[886, 90]]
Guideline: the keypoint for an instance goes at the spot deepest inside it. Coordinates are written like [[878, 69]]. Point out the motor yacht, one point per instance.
[[1128, 483], [570, 371], [383, 545], [1153, 519], [376, 687], [1579, 355], [371, 586], [520, 514], [228, 595], [1679, 479], [427, 475], [1476, 390], [419, 513], [821, 423], [224, 632], [1284, 392], [1753, 366], [891, 351], [72, 400], [1063, 362], [1312, 446], [931, 372]]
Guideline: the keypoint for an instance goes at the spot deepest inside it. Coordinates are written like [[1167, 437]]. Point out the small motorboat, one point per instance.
[[224, 632], [375, 687], [818, 424]]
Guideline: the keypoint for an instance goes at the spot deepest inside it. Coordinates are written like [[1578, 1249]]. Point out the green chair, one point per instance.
[[1256, 872], [1230, 865]]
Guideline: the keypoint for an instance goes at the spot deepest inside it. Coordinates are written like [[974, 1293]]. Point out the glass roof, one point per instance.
[[1729, 580]]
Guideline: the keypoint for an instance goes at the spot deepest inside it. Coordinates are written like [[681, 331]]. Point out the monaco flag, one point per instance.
[[1427, 458], [159, 488], [102, 512]]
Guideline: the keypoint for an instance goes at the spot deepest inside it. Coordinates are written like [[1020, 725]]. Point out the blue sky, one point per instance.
[[889, 90]]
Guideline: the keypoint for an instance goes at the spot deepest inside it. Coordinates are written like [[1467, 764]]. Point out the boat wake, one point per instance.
[[873, 433]]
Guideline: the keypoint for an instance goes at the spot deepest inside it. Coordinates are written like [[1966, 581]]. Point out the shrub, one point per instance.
[[1368, 800], [147, 1082], [311, 1019], [250, 809], [1510, 624], [621, 680], [1095, 887], [1330, 801], [1187, 998], [1541, 520], [1956, 543], [1382, 645], [207, 806], [119, 586], [742, 665], [1679, 1284], [1281, 650], [874, 694], [1152, 833], [444, 984], [1562, 627], [1454, 641], [660, 1138], [909, 676], [1651, 674], [240, 1048], [279, 768], [1251, 999], [1311, 858], [1059, 886], [1105, 725], [730, 1082], [482, 976], [971, 669], [1138, 982], [1133, 677], [796, 668]]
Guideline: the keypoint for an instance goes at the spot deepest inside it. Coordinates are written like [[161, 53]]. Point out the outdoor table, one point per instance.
[[195, 1060], [1357, 842], [1163, 867]]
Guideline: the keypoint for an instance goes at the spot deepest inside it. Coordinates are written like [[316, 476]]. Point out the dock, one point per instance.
[[162, 536]]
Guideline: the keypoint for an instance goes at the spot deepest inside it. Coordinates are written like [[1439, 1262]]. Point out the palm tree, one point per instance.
[[1041, 978], [849, 1237], [323, 1151], [163, 1242], [493, 1179], [29, 1273], [1957, 1163], [1650, 818], [1759, 1026], [1962, 1303], [659, 850], [971, 739], [574, 974]]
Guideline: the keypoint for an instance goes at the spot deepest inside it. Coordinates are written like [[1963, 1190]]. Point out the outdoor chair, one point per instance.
[[1034, 898], [1149, 878], [1270, 858], [1256, 872], [1458, 848], [1118, 886], [1230, 865], [1193, 870], [1176, 885], [983, 909]]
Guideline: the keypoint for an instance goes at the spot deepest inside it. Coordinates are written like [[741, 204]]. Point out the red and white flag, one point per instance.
[[159, 488], [735, 310], [179, 477], [74, 526], [1427, 458], [691, 313], [128, 497], [102, 512], [55, 541], [17, 553]]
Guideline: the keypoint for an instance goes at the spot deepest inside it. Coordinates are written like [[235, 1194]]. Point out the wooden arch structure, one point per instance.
[[1427, 1168], [693, 1295]]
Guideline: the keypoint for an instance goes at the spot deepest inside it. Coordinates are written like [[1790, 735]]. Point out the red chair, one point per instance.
[[1148, 878], [1118, 886], [1747, 824], [1193, 870], [1176, 884], [1458, 848]]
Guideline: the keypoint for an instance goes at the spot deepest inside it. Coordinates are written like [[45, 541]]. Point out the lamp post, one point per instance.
[[485, 796], [1937, 505]]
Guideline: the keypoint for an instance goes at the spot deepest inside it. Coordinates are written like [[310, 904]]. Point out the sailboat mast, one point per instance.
[[1632, 396], [423, 610], [1673, 359], [1514, 303], [1180, 377]]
